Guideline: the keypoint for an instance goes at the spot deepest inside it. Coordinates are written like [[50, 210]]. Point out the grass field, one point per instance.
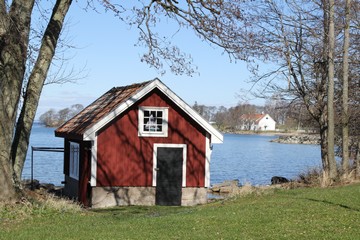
[[307, 213]]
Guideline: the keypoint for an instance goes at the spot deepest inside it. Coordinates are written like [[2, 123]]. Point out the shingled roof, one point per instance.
[[98, 109], [103, 110]]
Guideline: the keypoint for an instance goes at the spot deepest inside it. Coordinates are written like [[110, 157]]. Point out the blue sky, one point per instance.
[[105, 46]]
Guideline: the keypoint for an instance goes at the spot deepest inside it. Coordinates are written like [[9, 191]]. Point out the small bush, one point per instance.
[[60, 204], [312, 176]]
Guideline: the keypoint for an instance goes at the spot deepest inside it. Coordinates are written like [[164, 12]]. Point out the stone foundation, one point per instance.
[[144, 196], [193, 196], [122, 196]]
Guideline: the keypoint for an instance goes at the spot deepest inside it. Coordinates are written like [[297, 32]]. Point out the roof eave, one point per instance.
[[69, 135]]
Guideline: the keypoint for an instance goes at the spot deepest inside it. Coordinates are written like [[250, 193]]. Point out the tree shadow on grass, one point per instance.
[[334, 204]]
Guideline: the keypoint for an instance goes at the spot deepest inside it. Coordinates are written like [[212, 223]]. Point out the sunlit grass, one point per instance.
[[307, 213]]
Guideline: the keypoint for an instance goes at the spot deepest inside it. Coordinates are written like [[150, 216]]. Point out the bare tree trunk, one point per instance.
[[325, 181], [14, 37], [318, 113], [345, 94], [35, 85], [14, 40], [330, 99]]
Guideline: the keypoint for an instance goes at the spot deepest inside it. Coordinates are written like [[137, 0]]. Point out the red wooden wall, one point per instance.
[[125, 159]]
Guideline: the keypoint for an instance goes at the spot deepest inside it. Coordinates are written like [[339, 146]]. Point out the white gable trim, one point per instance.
[[90, 133], [216, 136]]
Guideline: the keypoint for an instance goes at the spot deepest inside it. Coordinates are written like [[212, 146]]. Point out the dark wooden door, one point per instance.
[[169, 176]]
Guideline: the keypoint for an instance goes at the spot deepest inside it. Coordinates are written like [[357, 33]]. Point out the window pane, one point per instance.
[[153, 122], [74, 160]]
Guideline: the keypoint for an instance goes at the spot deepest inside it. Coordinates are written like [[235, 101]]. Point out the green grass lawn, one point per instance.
[[308, 213]]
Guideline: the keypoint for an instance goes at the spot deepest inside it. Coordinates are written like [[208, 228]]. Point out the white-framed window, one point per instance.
[[153, 122], [74, 160]]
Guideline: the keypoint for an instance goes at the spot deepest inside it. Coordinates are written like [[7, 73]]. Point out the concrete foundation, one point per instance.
[[193, 196], [144, 196], [122, 196]]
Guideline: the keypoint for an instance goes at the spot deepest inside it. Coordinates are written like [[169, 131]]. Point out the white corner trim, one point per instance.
[[208, 152], [169, 145], [93, 163]]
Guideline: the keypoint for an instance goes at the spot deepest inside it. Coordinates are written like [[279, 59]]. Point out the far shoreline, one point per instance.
[[276, 133], [293, 137]]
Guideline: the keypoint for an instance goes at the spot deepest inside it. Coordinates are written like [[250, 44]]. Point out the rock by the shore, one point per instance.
[[298, 139], [228, 186], [232, 188], [35, 184]]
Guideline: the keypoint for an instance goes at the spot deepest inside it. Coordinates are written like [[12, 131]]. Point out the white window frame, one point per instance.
[[74, 156], [164, 132]]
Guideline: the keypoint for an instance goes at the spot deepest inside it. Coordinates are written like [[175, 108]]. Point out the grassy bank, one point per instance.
[[308, 213]]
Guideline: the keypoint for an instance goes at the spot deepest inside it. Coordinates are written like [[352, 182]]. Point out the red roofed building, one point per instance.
[[138, 145], [257, 122]]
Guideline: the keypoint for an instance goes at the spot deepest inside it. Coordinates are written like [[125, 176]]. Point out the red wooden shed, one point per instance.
[[138, 145]]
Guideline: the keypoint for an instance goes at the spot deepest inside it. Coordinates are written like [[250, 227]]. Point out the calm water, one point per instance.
[[254, 159], [248, 158]]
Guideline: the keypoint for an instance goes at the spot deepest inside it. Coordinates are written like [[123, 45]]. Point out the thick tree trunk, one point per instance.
[[330, 99], [35, 85], [325, 181], [345, 94], [331, 170], [14, 38]]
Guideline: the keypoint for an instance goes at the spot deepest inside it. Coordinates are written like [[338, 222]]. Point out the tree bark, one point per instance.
[[345, 94], [330, 99], [35, 85], [14, 38]]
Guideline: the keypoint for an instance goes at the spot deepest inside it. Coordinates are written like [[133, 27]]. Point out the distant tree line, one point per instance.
[[52, 118], [288, 116], [294, 115]]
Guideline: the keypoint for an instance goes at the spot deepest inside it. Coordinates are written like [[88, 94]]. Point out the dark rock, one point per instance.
[[34, 184], [47, 186], [278, 180]]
